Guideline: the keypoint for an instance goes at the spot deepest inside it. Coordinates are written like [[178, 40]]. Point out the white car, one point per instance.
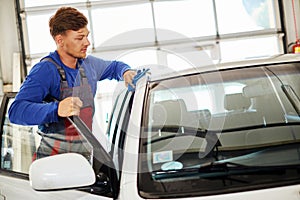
[[226, 131]]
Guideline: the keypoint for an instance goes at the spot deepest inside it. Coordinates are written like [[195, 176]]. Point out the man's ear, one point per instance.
[[59, 40]]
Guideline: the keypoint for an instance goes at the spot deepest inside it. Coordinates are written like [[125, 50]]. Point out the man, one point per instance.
[[64, 84]]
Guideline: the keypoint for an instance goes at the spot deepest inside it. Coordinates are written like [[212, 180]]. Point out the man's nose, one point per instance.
[[87, 42]]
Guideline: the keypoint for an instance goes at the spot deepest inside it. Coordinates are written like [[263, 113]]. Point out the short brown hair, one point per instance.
[[66, 18]]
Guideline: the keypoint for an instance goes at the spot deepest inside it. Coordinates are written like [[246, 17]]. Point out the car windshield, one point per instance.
[[221, 129]]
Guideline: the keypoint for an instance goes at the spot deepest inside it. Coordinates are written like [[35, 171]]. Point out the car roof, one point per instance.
[[161, 72]]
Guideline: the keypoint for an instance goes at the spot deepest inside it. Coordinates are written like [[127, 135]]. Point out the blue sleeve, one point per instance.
[[28, 107], [106, 69], [115, 70]]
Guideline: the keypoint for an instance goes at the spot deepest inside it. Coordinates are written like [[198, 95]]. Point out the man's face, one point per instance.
[[75, 43]]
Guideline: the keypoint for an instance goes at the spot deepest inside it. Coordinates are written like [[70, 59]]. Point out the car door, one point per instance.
[[18, 145]]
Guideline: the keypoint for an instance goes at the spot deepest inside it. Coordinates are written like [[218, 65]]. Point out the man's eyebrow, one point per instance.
[[82, 32], [82, 35]]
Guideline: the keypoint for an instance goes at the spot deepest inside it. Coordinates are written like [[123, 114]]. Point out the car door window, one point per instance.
[[18, 143]]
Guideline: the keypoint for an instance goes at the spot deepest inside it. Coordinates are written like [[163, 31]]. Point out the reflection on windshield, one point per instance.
[[240, 120]]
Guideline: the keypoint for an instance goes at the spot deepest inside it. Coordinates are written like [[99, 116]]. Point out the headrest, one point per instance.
[[236, 102], [169, 112]]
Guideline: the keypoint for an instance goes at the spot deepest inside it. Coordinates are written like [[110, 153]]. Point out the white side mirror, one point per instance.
[[69, 170]]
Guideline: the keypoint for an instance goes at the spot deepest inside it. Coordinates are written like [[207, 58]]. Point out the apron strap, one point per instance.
[[61, 71]]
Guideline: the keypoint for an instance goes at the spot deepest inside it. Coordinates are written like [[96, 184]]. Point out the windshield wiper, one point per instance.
[[203, 170], [219, 166], [221, 169], [174, 132]]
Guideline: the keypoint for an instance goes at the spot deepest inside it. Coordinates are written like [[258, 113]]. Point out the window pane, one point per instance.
[[248, 48], [179, 16], [40, 39], [245, 15], [110, 22], [149, 57], [33, 3]]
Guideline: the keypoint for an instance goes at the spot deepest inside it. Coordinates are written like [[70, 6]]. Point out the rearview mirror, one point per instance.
[[62, 171]]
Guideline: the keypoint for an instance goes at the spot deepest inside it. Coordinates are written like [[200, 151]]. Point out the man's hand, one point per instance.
[[69, 106], [128, 77]]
